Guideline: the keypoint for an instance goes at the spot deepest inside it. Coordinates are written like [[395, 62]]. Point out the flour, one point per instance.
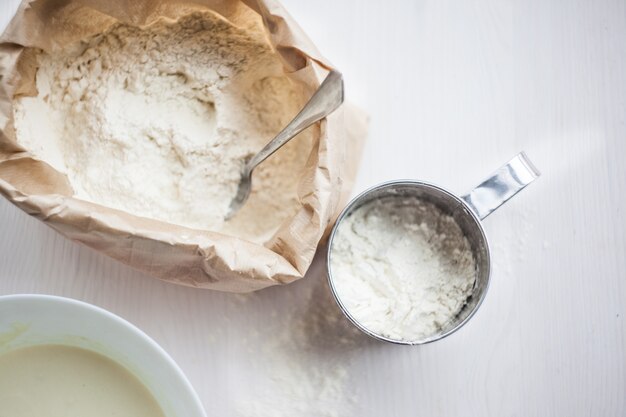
[[304, 355], [402, 268], [158, 121]]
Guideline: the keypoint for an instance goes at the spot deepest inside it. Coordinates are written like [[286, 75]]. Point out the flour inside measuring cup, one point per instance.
[[157, 121], [401, 267]]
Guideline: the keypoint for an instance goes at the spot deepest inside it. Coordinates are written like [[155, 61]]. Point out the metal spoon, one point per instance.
[[324, 101]]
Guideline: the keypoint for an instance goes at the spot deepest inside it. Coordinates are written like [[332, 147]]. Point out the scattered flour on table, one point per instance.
[[304, 359], [157, 121], [401, 267]]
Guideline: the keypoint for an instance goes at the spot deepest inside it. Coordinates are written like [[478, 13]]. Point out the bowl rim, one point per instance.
[[107, 315]]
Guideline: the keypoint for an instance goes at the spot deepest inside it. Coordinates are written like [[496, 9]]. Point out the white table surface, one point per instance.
[[454, 90]]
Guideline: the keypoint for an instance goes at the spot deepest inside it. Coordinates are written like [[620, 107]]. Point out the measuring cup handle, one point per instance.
[[503, 184]]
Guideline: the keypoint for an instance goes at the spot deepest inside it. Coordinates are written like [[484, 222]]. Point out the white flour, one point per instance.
[[303, 356], [402, 268], [158, 121]]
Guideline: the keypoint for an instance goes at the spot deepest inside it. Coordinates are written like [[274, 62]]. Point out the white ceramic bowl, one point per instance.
[[27, 320]]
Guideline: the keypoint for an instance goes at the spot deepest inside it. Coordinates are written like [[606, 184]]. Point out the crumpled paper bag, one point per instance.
[[174, 253]]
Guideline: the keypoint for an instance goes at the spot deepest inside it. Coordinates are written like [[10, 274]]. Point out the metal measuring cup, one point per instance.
[[467, 211]]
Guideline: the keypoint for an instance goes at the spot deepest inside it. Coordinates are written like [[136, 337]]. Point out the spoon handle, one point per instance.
[[324, 101]]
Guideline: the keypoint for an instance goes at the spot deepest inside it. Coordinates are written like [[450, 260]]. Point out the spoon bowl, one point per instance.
[[324, 101]]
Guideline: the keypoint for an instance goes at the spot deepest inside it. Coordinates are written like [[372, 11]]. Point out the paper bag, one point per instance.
[[174, 253]]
